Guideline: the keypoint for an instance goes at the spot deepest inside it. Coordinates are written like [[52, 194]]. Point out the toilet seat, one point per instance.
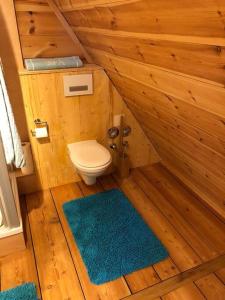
[[89, 155]]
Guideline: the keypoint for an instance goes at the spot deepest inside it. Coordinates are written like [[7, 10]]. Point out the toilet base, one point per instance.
[[89, 180]]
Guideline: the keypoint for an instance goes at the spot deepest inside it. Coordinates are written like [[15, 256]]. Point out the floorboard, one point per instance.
[[187, 292], [221, 275], [180, 251], [116, 289], [170, 211], [193, 235], [57, 275], [173, 283], [211, 287], [208, 227], [148, 276]]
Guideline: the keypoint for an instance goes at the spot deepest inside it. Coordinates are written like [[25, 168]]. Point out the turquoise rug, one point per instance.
[[26, 291], [112, 237]]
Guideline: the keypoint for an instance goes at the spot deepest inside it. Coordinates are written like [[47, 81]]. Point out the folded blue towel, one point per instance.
[[32, 64]]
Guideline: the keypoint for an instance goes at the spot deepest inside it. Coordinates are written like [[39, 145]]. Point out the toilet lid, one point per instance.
[[89, 154]]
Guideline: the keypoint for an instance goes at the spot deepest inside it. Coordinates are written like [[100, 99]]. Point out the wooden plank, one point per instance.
[[165, 143], [56, 271], [186, 39], [179, 280], [69, 30], [189, 146], [182, 254], [171, 17], [48, 46], [20, 267], [193, 59], [191, 90], [79, 4], [188, 291], [201, 245], [206, 224], [39, 23], [221, 274], [211, 287], [191, 119], [114, 290], [194, 175], [180, 116], [140, 279], [31, 5], [164, 269]]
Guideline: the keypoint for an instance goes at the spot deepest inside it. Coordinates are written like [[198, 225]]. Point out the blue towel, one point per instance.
[[8, 130], [32, 64]]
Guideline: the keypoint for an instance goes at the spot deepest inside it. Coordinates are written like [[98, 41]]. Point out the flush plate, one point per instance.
[[77, 85]]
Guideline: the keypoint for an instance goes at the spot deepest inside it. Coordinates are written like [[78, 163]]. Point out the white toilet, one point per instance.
[[90, 158]]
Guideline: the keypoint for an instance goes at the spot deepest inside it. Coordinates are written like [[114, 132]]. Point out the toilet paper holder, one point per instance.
[[39, 122]]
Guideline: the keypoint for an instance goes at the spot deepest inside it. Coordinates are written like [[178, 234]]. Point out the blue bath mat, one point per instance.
[[112, 237], [26, 291]]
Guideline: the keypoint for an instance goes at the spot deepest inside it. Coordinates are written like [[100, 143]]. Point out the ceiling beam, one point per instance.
[[68, 29]]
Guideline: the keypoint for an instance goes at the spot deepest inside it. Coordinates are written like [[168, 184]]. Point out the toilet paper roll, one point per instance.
[[41, 132], [29, 165]]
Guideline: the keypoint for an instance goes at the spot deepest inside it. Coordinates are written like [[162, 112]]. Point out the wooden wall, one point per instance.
[[41, 34], [73, 119], [166, 58], [11, 59]]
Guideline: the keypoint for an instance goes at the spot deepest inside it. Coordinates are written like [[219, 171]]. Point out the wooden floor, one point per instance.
[[194, 237]]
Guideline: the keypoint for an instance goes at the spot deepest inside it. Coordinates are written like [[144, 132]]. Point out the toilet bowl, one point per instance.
[[90, 159]]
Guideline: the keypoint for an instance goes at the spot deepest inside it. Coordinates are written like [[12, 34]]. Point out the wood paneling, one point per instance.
[[170, 17], [46, 46], [11, 58], [32, 5], [140, 151], [69, 119], [41, 33], [181, 57], [166, 59], [72, 119], [69, 30]]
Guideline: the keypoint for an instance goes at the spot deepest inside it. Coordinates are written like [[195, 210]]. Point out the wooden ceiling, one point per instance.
[[167, 59]]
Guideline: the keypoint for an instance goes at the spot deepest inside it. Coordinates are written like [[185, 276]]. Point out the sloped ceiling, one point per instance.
[[167, 60]]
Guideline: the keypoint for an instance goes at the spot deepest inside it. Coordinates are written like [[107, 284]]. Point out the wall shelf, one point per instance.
[[84, 69]]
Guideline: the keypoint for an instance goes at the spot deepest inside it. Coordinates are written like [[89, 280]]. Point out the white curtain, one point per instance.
[[10, 137]]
